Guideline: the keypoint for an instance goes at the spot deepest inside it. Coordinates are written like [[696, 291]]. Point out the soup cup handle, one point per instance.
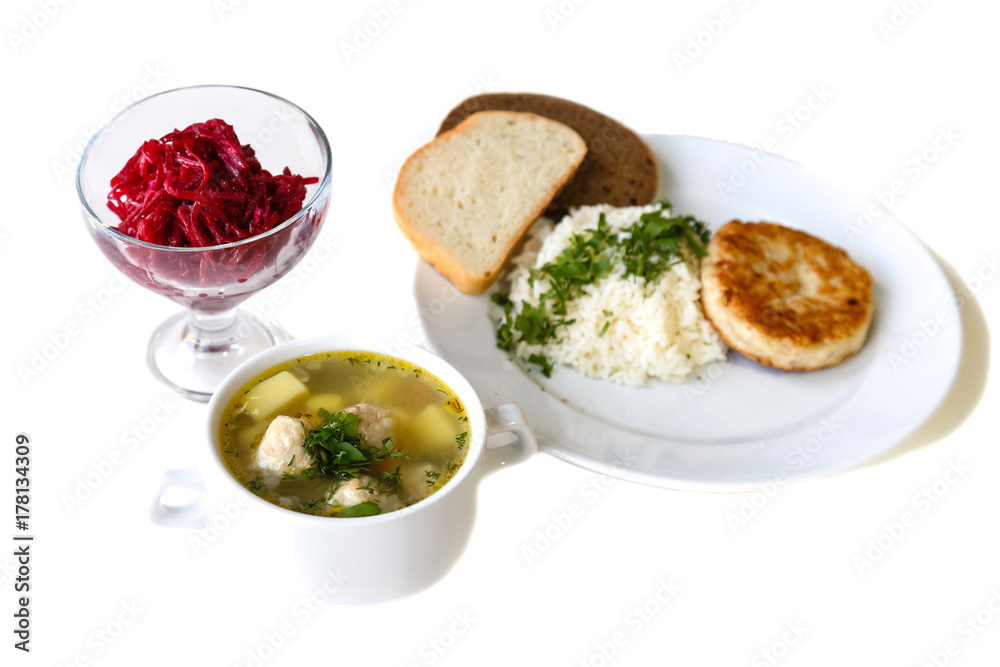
[[182, 500], [502, 422]]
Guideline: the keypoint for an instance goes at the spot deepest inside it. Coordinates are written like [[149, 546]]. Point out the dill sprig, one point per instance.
[[340, 452]]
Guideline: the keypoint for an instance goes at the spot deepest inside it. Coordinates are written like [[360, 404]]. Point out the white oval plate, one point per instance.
[[740, 424]]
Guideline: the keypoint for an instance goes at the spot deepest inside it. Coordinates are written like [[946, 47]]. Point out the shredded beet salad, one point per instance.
[[200, 187]]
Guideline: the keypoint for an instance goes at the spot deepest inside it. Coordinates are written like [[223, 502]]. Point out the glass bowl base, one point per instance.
[[194, 362]]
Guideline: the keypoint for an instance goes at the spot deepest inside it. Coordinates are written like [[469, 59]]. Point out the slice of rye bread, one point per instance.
[[619, 169], [465, 199]]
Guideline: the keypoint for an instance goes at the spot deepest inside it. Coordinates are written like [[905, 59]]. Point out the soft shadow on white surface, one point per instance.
[[970, 381]]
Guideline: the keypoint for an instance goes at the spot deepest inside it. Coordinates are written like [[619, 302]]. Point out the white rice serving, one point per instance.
[[625, 330]]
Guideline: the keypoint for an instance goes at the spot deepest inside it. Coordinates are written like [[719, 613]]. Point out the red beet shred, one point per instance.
[[199, 187]]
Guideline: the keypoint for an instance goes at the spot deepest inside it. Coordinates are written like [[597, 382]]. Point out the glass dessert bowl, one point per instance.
[[194, 350]]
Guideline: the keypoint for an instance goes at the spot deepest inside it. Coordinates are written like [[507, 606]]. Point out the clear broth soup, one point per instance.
[[344, 434]]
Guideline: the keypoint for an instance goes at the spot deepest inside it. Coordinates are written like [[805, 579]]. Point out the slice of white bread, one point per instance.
[[465, 199]]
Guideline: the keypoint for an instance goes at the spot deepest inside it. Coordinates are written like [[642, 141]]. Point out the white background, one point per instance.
[[820, 573]]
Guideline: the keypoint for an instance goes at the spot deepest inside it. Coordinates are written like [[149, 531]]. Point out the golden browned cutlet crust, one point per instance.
[[785, 298]]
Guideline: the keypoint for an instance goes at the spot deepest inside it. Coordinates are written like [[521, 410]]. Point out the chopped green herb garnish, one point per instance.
[[501, 299], [369, 508], [314, 505], [646, 249], [339, 451], [390, 482], [542, 362], [462, 439], [438, 479]]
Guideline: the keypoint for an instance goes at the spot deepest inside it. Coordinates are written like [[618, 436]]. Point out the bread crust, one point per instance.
[[619, 168], [440, 258], [785, 298]]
